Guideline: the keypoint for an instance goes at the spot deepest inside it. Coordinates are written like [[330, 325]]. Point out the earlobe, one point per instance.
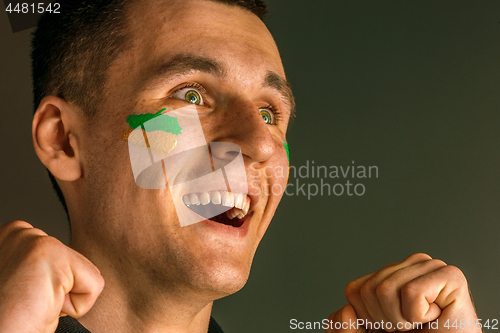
[[55, 139]]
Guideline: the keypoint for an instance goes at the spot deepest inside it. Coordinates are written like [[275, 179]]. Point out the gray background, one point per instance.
[[411, 87]]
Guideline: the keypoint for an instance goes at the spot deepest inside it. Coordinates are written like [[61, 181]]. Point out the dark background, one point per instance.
[[411, 87]]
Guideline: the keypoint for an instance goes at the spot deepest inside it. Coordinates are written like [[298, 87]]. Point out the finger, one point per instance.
[[368, 294], [16, 224], [17, 239], [424, 297], [388, 291], [368, 291], [416, 258], [83, 288], [342, 321], [361, 292], [353, 296], [364, 295], [11, 229]]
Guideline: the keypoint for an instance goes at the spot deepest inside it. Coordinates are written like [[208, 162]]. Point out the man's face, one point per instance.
[[227, 56]]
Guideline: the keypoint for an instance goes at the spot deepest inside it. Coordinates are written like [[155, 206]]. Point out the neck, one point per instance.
[[132, 302]]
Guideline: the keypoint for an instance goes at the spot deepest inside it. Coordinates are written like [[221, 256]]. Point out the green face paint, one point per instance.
[[137, 120], [162, 131], [287, 151], [165, 124]]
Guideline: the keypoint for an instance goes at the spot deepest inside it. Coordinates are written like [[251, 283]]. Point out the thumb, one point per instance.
[[344, 321], [82, 290]]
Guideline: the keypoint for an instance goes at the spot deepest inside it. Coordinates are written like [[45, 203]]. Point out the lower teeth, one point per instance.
[[235, 212]]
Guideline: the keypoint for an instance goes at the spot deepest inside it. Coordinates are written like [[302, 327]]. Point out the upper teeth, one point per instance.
[[228, 199]]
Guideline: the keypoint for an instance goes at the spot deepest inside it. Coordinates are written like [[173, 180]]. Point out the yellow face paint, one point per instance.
[[159, 142], [169, 150], [162, 132]]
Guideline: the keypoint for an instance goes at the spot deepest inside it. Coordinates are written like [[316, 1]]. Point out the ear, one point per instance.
[[55, 138]]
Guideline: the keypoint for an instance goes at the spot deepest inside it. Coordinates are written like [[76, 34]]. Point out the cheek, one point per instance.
[[107, 162]]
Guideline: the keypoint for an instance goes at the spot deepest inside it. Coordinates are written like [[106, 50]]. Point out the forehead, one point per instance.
[[160, 30]]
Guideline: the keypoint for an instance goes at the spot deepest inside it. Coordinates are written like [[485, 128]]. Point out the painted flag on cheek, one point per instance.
[[170, 149]]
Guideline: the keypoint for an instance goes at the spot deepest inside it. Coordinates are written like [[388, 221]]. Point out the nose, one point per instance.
[[242, 124]]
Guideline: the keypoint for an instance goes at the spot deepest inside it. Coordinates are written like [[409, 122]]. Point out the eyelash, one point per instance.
[[198, 86], [276, 113]]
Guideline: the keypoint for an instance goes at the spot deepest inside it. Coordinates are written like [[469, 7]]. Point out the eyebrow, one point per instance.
[[181, 65], [275, 81]]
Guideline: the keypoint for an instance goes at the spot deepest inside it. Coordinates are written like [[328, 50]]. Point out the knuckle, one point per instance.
[[351, 291], [14, 225], [437, 262], [20, 235], [43, 246], [365, 291], [100, 282], [332, 317], [410, 291], [392, 264], [419, 257], [453, 271], [372, 282], [385, 288], [19, 224]]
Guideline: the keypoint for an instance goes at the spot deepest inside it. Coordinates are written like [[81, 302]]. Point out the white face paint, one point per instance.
[[171, 150]]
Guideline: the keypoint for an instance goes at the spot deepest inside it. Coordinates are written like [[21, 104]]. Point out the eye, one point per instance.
[[267, 116], [190, 95]]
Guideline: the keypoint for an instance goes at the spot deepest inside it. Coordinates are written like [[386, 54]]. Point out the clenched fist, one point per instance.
[[41, 279], [418, 290]]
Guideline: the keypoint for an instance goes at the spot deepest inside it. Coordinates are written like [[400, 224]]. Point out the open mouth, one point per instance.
[[219, 206]]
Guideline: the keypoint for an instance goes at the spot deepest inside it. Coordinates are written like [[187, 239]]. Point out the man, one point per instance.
[[132, 267]]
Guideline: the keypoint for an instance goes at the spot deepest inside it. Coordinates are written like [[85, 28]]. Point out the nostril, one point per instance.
[[232, 154], [223, 153]]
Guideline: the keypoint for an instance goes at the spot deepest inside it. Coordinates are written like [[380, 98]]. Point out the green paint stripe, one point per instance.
[[157, 122], [287, 151]]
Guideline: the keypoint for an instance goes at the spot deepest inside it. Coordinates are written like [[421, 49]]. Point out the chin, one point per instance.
[[223, 281]]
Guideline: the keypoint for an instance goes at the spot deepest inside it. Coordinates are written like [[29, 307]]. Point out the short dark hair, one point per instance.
[[71, 52]]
